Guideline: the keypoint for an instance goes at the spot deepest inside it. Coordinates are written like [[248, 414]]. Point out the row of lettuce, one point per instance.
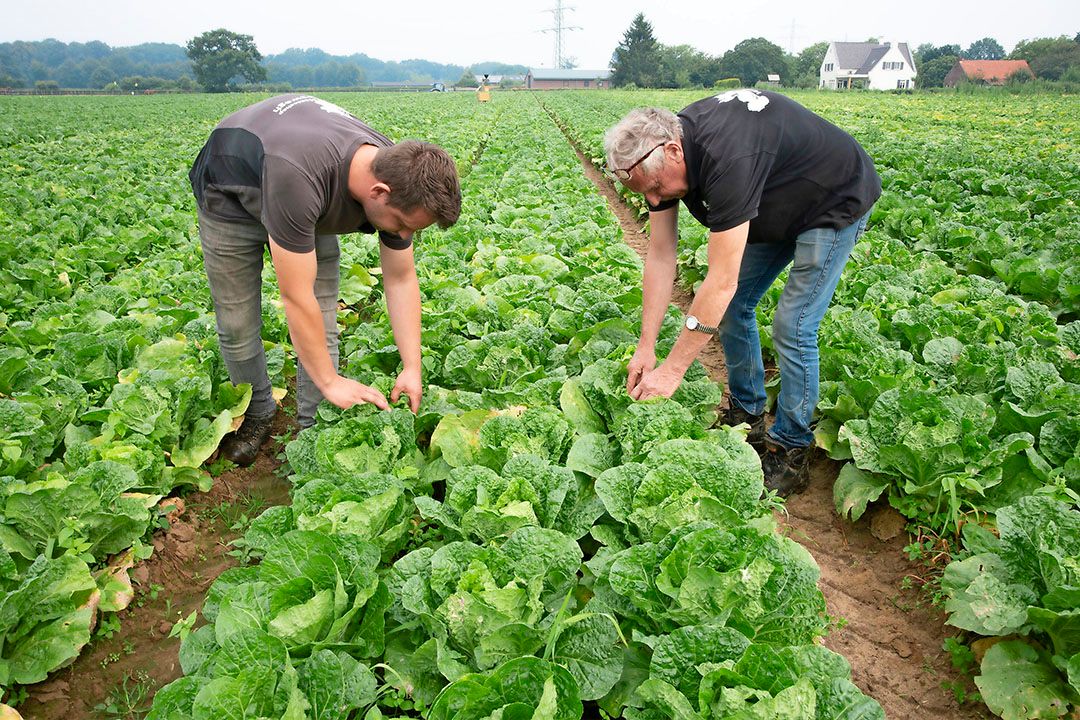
[[112, 392], [956, 400], [532, 544]]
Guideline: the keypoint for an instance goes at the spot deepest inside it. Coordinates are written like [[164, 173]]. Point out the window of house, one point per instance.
[[828, 67], [585, 83]]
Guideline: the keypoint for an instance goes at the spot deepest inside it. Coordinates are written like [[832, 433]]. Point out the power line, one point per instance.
[[793, 32], [559, 29]]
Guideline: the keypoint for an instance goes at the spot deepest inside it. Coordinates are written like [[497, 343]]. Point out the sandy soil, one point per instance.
[[169, 586]]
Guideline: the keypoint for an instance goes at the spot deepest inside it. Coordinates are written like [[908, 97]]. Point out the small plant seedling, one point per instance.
[[182, 627], [128, 700]]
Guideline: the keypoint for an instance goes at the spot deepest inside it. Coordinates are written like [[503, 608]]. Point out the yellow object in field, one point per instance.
[[483, 94]]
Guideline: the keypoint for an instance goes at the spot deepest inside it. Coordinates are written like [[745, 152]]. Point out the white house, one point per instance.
[[875, 66]]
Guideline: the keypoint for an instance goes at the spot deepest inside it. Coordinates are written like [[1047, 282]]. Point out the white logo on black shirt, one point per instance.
[[755, 101]]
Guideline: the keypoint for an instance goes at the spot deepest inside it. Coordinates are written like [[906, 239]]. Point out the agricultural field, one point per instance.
[[533, 543]]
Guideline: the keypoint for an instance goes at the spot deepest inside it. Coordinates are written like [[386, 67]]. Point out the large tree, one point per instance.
[[927, 52], [684, 66], [637, 58], [752, 60], [933, 71], [806, 67], [1049, 58], [986, 49], [217, 56]]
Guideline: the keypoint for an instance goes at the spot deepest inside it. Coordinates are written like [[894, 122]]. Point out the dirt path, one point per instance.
[[891, 636], [139, 657]]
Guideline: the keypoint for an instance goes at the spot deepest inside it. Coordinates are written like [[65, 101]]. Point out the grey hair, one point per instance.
[[639, 132]]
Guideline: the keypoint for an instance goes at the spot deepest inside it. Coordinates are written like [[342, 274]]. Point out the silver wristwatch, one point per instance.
[[692, 323]]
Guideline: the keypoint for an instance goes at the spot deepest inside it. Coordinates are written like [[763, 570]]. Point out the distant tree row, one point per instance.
[[95, 65], [88, 65], [642, 61]]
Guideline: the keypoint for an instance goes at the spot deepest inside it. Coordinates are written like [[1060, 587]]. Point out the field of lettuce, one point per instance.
[[533, 544]]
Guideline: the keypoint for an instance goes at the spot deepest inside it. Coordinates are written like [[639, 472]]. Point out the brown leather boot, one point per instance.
[[786, 471], [735, 415], [242, 446]]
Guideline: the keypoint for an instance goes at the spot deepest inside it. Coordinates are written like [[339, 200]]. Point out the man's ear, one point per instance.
[[379, 191], [675, 149]]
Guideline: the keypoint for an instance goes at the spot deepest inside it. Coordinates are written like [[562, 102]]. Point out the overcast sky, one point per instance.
[[466, 31]]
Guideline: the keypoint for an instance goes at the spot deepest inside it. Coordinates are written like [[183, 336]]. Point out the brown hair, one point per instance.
[[420, 174]]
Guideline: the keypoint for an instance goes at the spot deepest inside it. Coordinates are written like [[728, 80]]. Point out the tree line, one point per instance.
[[640, 60], [152, 66], [219, 60]]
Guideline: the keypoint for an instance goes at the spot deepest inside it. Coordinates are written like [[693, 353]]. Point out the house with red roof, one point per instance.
[[986, 72]]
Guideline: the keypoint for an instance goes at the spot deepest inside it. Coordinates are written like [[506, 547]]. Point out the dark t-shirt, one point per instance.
[[762, 157], [284, 162]]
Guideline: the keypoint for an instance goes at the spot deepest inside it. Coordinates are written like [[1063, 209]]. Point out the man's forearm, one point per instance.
[[657, 283], [715, 294], [403, 306], [709, 306], [309, 338]]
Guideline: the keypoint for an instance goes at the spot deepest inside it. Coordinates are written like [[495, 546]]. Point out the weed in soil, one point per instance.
[[130, 700]]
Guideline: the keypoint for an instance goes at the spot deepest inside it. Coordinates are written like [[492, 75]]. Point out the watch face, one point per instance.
[[691, 323]]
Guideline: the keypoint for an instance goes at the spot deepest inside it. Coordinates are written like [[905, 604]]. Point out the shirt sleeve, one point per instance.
[[733, 194], [291, 205], [392, 241], [664, 205]]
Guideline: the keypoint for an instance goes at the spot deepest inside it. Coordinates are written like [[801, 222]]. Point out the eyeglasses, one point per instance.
[[623, 174]]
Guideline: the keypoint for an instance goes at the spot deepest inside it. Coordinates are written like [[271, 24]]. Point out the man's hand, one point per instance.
[[644, 360], [661, 382], [345, 392], [408, 383]]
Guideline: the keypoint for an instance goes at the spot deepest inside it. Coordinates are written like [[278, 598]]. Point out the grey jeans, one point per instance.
[[233, 256]]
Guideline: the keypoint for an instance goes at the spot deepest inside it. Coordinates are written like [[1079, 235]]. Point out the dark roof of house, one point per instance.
[[863, 56], [574, 74], [404, 83], [872, 57], [851, 55]]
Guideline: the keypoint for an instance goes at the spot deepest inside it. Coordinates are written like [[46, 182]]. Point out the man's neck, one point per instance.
[[360, 176]]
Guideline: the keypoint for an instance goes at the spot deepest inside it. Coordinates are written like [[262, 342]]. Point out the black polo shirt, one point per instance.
[[760, 156]]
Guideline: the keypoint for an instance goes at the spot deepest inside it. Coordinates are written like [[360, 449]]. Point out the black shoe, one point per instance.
[[242, 446], [786, 471], [735, 415]]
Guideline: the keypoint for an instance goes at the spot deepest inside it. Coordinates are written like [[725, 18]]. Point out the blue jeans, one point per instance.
[[819, 257], [233, 257]]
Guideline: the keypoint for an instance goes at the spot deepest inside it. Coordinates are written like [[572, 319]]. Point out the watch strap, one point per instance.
[[706, 329]]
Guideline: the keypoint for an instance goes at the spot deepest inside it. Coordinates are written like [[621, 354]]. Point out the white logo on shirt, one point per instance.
[[284, 107], [755, 101]]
